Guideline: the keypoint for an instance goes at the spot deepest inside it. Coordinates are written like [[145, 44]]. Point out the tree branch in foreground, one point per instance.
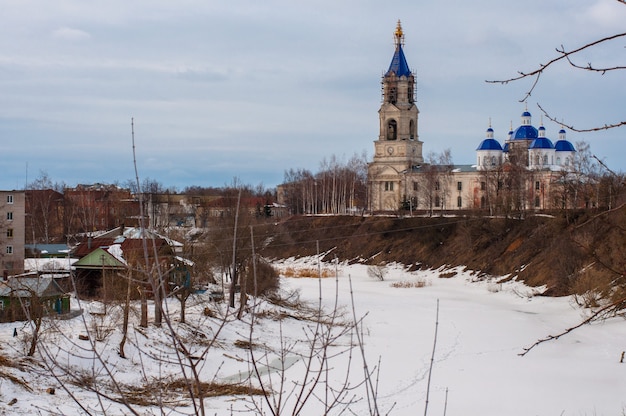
[[599, 314]]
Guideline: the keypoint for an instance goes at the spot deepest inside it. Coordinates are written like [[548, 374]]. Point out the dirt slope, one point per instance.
[[542, 250]]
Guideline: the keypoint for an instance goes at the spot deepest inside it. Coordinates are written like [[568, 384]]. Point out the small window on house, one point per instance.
[[9, 216], [459, 201], [459, 186], [537, 185], [415, 186], [9, 199], [9, 250], [9, 232], [483, 186]]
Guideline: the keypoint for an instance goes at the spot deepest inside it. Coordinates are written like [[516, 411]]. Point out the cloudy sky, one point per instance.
[[249, 89]]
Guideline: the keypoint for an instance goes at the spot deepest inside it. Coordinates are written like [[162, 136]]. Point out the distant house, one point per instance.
[[89, 208], [23, 298], [44, 216], [105, 260]]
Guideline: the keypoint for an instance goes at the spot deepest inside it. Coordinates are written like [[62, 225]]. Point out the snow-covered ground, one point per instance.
[[482, 329]]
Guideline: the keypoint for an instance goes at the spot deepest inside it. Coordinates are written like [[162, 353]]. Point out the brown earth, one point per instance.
[[568, 253]]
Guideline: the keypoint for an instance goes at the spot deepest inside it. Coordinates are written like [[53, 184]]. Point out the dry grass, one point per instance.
[[405, 284], [307, 272], [447, 275], [146, 395]]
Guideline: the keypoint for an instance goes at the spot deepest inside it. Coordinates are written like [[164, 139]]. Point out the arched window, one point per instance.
[[493, 160], [392, 130], [412, 130]]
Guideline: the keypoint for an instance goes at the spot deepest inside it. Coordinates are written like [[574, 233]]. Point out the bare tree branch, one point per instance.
[[563, 54], [572, 128], [599, 314]]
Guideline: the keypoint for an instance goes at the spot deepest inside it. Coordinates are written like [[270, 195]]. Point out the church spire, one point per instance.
[[399, 66]]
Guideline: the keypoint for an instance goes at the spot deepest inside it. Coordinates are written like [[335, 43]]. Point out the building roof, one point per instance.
[[26, 287], [399, 65], [489, 144], [541, 143], [526, 132], [564, 146]]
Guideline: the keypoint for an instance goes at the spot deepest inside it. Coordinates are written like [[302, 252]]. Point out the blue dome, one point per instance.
[[541, 143], [564, 146], [525, 114], [489, 144], [525, 133]]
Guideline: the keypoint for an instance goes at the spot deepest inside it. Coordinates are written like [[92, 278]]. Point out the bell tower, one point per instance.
[[398, 148]]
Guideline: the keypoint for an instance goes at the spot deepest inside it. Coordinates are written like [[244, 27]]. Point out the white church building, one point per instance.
[[524, 172]]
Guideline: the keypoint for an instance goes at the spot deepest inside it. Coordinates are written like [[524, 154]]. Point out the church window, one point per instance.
[[537, 185], [459, 186], [415, 188], [392, 130], [545, 159], [412, 130], [388, 186], [483, 185], [437, 186], [537, 202], [493, 160], [459, 202], [437, 201], [558, 160]]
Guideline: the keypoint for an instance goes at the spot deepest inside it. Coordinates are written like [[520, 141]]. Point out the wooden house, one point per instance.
[[23, 298]]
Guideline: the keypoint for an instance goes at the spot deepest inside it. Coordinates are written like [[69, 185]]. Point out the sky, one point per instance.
[[248, 89]]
